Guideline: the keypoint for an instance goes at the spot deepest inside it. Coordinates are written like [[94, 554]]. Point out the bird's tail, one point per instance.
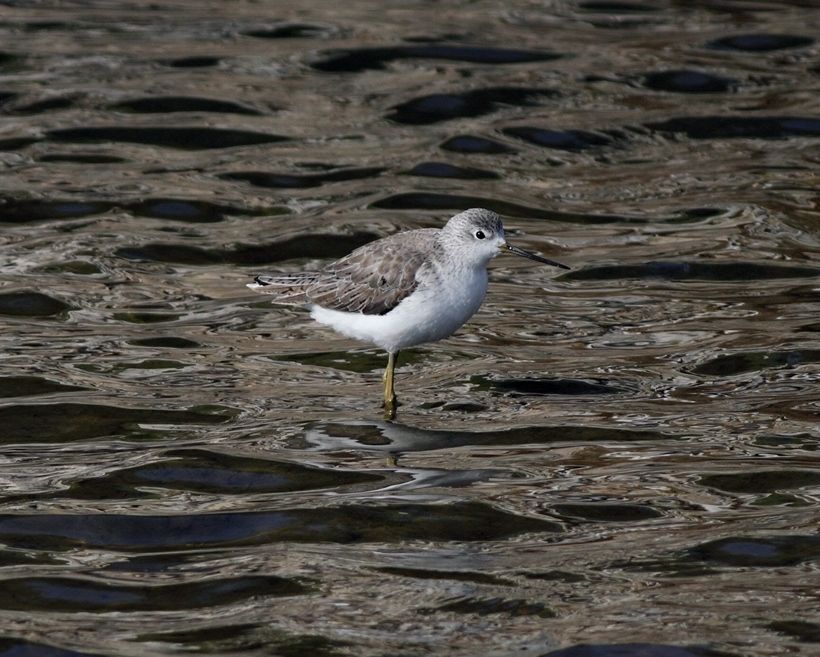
[[285, 288]]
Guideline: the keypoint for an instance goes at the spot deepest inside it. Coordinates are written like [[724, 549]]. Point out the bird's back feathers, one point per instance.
[[371, 280]]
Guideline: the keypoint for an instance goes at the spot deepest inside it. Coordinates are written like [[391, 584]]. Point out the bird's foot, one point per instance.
[[391, 405]]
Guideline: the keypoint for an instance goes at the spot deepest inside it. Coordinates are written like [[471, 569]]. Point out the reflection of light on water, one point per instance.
[[645, 338], [681, 346]]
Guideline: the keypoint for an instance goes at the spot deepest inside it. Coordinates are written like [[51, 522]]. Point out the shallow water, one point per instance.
[[617, 460]]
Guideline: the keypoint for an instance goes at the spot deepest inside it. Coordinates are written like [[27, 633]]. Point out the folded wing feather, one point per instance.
[[372, 280]]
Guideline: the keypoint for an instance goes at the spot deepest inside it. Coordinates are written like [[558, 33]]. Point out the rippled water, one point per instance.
[[619, 460]]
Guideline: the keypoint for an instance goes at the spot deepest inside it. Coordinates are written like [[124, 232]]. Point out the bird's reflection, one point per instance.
[[395, 438], [388, 436]]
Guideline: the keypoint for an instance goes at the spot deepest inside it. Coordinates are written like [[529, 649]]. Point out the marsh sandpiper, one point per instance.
[[403, 290]]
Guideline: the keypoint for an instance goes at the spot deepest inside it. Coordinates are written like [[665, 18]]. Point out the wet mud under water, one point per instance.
[[620, 460]]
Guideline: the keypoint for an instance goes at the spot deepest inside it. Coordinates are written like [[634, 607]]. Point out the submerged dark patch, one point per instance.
[[300, 180], [566, 140], [704, 271], [459, 521], [306, 246], [31, 304], [45, 105], [444, 107], [765, 552], [67, 594], [182, 138], [212, 472], [445, 170], [474, 144], [753, 361], [688, 82], [544, 386], [457, 202], [288, 31], [761, 42], [735, 127], [184, 210], [56, 423], [167, 104], [25, 210], [194, 62], [25, 386]]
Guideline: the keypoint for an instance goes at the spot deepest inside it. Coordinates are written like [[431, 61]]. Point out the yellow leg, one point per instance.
[[390, 402]]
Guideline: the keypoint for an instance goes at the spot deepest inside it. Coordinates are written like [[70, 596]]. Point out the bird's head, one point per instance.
[[479, 235]]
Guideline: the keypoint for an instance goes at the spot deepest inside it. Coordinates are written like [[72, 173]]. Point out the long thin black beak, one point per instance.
[[526, 254]]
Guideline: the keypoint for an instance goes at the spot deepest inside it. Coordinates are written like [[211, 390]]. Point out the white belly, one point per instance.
[[432, 312]]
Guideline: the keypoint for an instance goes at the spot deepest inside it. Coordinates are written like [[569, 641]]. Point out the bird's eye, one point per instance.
[[480, 234]]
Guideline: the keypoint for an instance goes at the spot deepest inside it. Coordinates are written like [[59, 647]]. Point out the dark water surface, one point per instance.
[[616, 461]]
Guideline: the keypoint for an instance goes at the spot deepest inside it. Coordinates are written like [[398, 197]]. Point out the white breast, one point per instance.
[[435, 310]]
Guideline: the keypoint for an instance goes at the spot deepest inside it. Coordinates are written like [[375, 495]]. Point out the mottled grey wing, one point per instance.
[[285, 288], [374, 278]]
